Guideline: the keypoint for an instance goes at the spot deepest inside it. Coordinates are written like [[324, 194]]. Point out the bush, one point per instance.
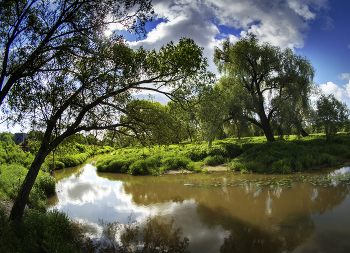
[[140, 167], [237, 166], [217, 151], [255, 166], [196, 154], [46, 183], [194, 166], [154, 161], [232, 150], [245, 171], [11, 178], [281, 167], [114, 164], [74, 160], [39, 232], [175, 162], [214, 160]]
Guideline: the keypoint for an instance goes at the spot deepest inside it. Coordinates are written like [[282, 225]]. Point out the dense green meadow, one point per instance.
[[248, 155]]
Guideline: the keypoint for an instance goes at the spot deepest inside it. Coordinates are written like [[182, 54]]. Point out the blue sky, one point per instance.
[[317, 29]]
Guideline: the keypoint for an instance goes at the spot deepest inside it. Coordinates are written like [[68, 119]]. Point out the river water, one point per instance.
[[219, 212]]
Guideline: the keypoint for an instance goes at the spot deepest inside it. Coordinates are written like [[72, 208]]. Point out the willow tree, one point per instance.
[[92, 93], [37, 36], [272, 83]]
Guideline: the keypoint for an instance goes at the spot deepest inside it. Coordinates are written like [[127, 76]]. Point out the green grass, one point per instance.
[[38, 232], [253, 154], [11, 178]]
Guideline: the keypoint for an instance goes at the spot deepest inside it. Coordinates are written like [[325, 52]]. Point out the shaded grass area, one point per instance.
[[38, 232], [11, 178], [248, 155]]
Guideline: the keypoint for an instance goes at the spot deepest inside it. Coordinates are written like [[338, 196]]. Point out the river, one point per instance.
[[219, 212]]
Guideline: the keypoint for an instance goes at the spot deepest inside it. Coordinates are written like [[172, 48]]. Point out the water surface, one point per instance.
[[220, 212]]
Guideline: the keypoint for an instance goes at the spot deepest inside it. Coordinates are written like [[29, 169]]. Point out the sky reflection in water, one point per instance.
[[247, 218]]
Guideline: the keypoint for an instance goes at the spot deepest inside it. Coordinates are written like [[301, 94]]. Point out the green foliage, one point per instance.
[[11, 178], [10, 153], [214, 160], [114, 164], [251, 71], [237, 166], [232, 150], [74, 160], [281, 167], [139, 167], [331, 115], [195, 166], [245, 171], [196, 154], [46, 183], [39, 232], [175, 162]]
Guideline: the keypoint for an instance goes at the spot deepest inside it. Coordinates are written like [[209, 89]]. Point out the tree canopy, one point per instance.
[[331, 115], [39, 36], [273, 84], [94, 92]]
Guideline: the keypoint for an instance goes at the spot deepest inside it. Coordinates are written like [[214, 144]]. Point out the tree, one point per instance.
[[269, 81], [93, 93], [157, 124], [331, 115], [37, 36]]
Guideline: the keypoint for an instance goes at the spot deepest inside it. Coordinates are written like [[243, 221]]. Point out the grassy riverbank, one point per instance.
[[248, 155]]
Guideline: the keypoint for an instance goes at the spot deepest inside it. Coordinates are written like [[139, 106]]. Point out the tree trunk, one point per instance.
[[268, 133], [265, 123], [23, 194], [303, 133]]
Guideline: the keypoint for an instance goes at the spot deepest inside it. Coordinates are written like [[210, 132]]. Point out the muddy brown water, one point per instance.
[[219, 212]]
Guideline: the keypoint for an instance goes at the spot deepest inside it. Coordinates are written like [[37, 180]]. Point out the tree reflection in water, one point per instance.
[[158, 236], [223, 218]]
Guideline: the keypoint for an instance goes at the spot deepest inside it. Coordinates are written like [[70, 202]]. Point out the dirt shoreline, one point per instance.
[[221, 167]]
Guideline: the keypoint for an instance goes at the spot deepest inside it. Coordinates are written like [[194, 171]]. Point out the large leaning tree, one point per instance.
[[37, 36], [92, 93], [268, 84]]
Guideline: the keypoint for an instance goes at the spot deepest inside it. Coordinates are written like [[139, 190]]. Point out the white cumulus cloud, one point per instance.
[[332, 88], [280, 22]]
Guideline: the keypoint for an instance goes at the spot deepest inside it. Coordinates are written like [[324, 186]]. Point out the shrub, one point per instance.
[[114, 164], [46, 183], [217, 151], [74, 160], [245, 171], [281, 167], [237, 166], [255, 166], [175, 162], [214, 160], [154, 161], [195, 166], [12, 177], [232, 150], [139, 167], [196, 154], [39, 232]]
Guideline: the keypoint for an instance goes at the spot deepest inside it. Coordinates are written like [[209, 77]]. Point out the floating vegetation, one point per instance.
[[258, 183]]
